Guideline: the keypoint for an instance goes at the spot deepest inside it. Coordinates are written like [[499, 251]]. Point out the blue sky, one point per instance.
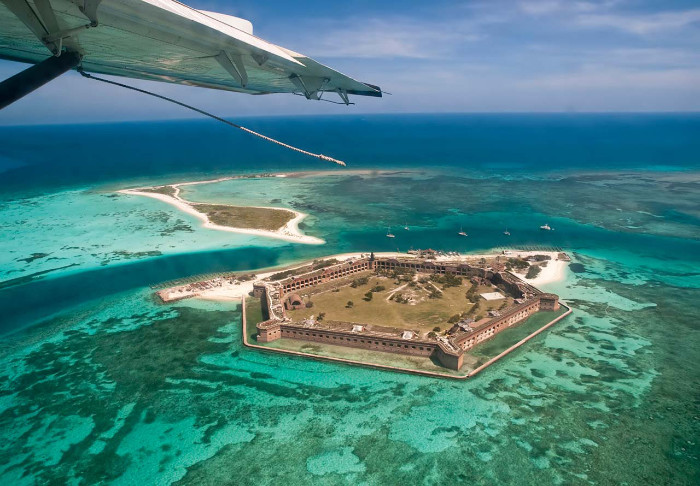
[[437, 56]]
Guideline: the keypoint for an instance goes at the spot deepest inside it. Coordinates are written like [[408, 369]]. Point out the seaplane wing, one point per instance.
[[164, 40]]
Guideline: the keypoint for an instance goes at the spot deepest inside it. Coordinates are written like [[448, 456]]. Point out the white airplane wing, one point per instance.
[[164, 40]]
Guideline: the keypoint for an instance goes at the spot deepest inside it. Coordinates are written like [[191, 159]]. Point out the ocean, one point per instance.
[[102, 383]]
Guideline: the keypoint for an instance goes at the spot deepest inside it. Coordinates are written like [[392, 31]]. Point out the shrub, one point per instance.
[[368, 296], [436, 329], [518, 263], [378, 288], [349, 304], [318, 264], [321, 315], [454, 319], [359, 281], [432, 335], [533, 271]]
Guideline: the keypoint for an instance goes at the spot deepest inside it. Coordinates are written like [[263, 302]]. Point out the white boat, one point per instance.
[[506, 232], [389, 234], [462, 232], [546, 227], [405, 226]]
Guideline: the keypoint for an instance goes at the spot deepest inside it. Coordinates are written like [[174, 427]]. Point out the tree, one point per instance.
[[309, 305], [533, 271], [435, 294], [436, 329], [321, 315], [368, 296], [349, 304]]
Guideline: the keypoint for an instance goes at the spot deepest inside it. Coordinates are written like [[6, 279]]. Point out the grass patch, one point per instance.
[[245, 217], [508, 337], [167, 190], [415, 310]]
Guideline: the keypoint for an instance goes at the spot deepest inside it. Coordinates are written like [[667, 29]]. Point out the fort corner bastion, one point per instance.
[[279, 298]]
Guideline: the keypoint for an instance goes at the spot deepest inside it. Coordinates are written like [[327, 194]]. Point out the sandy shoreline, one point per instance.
[[553, 272], [289, 232]]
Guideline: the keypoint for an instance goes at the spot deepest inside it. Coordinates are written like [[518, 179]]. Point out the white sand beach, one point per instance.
[[289, 232], [553, 272]]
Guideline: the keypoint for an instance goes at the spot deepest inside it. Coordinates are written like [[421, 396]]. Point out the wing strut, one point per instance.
[[34, 77]]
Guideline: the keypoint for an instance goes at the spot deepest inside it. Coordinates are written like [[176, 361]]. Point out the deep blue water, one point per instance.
[[103, 153], [131, 390]]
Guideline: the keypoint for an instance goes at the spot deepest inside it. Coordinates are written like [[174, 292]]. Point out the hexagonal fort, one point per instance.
[[398, 305]]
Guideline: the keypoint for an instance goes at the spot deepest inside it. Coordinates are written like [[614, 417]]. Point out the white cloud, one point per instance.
[[642, 24], [376, 38], [548, 7], [595, 77]]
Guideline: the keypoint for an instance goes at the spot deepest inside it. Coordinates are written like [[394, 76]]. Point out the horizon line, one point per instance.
[[381, 114]]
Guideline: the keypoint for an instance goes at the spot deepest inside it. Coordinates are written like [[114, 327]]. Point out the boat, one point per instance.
[[389, 234], [462, 232], [506, 232], [546, 227], [405, 226]]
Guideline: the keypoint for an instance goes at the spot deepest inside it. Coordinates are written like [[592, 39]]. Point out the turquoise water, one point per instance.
[[101, 383]]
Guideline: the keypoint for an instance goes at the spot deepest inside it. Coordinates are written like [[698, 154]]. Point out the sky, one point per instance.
[[434, 56]]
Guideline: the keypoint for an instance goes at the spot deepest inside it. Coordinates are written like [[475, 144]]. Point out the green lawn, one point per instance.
[[167, 190], [426, 314], [245, 217]]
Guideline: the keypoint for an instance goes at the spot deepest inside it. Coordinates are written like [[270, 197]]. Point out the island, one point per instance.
[[423, 312], [269, 222]]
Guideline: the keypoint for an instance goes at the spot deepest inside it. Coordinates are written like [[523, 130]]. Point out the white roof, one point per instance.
[[165, 40], [493, 296]]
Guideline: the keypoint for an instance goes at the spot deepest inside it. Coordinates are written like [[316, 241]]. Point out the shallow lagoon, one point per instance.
[[109, 385]]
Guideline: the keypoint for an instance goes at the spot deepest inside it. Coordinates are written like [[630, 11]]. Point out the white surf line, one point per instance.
[[289, 232]]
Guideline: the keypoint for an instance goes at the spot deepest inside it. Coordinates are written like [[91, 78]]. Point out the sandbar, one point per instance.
[[289, 232]]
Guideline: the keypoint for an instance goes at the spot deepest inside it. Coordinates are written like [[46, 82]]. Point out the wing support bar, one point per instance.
[[44, 24], [344, 96], [233, 63], [89, 9], [21, 84], [309, 85]]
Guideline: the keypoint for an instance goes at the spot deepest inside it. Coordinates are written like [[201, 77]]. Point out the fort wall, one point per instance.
[[448, 351]]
